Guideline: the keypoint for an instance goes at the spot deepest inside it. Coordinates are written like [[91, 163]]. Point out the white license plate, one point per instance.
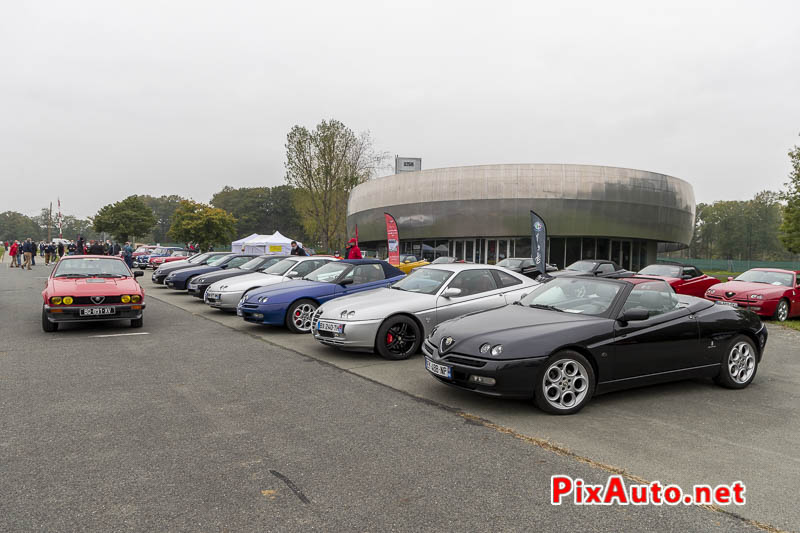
[[730, 304], [330, 326], [212, 297], [97, 311], [440, 370]]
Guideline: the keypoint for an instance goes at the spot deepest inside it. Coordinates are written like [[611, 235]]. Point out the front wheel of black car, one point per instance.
[[300, 316], [399, 337], [48, 326], [739, 364], [566, 384]]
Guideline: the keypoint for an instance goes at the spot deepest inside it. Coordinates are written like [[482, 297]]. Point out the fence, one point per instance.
[[729, 265]]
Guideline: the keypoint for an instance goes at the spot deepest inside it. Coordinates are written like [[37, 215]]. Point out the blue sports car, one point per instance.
[[178, 279], [294, 303]]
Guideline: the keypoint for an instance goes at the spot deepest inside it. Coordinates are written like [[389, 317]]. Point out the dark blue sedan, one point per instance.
[[294, 303], [179, 278]]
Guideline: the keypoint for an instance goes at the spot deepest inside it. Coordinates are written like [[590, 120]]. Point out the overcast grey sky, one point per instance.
[[100, 100]]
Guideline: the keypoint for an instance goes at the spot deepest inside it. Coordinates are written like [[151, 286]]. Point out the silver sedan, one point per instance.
[[394, 321]]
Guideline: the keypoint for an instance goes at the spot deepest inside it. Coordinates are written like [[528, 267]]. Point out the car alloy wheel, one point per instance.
[[301, 316], [566, 384], [739, 364], [398, 338], [782, 312]]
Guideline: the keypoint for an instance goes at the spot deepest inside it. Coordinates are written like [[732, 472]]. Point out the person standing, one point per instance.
[[297, 250], [352, 251], [115, 249], [47, 253], [95, 248], [12, 253], [79, 245], [60, 250], [127, 254], [28, 249]]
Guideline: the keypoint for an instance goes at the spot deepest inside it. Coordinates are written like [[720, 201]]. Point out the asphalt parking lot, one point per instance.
[[203, 422]]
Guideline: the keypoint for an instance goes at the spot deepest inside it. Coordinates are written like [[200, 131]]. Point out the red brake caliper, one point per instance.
[[389, 338]]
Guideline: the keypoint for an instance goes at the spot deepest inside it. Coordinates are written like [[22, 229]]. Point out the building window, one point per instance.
[[603, 249], [636, 264], [442, 248], [557, 252], [522, 248], [469, 249], [502, 250], [479, 243], [626, 254], [491, 251], [573, 250], [587, 250], [643, 254]]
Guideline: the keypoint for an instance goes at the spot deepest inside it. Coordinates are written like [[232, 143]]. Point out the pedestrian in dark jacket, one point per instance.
[[115, 249], [297, 250], [95, 248], [60, 250], [79, 244]]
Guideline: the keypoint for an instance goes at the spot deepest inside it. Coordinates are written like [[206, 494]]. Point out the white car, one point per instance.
[[225, 294]]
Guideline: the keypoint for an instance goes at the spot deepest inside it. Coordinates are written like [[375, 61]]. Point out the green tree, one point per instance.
[[790, 228], [325, 164], [17, 226], [163, 208], [261, 210], [125, 219], [201, 223], [73, 227]]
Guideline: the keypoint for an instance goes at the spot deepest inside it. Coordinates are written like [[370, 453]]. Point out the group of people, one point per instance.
[[23, 254], [352, 251]]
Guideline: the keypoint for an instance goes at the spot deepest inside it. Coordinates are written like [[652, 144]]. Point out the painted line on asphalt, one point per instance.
[[117, 335]]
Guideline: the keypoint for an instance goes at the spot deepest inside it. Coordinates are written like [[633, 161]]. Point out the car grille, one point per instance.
[[87, 300], [464, 361], [329, 334], [249, 306]]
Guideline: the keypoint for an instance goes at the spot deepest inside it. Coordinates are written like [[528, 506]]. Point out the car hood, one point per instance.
[[248, 281], [225, 274], [175, 265], [515, 327], [378, 303], [292, 289], [746, 288], [93, 286]]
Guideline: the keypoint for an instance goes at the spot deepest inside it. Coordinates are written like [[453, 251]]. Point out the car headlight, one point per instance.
[[201, 280], [67, 300], [485, 347], [757, 296], [135, 298], [125, 298], [497, 350], [242, 300], [263, 299], [711, 291], [55, 300]]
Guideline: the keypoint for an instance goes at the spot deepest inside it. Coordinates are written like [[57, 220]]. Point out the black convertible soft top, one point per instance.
[[388, 270]]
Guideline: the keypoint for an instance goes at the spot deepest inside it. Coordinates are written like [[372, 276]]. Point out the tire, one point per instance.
[[48, 326], [781, 311], [399, 337], [565, 385], [299, 317], [739, 364], [137, 322]]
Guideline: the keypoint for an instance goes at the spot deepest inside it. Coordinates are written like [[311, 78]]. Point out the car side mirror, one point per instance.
[[292, 274], [451, 292], [138, 274], [635, 314], [344, 282], [730, 278]]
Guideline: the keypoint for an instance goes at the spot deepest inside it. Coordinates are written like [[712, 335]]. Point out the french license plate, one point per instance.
[[211, 297], [440, 370], [330, 326], [729, 304], [97, 311]]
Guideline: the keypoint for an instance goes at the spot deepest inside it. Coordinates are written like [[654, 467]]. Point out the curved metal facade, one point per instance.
[[495, 201]]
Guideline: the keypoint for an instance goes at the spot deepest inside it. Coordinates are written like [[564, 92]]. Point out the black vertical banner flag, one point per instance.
[[539, 242]]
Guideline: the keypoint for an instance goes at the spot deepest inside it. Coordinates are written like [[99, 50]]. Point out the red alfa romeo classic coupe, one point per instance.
[[769, 292], [91, 288]]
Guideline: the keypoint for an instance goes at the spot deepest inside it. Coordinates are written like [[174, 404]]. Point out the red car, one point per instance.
[[143, 250], [770, 292], [685, 279], [91, 288], [177, 255]]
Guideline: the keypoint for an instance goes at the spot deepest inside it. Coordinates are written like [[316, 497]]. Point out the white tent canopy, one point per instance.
[[236, 246], [264, 244]]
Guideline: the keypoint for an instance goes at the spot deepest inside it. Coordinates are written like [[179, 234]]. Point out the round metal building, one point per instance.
[[482, 213]]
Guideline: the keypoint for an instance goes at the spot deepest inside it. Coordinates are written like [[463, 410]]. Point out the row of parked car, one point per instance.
[[589, 328]]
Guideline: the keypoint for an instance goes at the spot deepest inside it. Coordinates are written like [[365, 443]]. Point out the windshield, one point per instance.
[[199, 258], [587, 296], [768, 277], [328, 273], [161, 251], [141, 249], [513, 263], [281, 267], [269, 262], [667, 271], [220, 259], [440, 260], [256, 262], [91, 267], [582, 266], [423, 280]]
